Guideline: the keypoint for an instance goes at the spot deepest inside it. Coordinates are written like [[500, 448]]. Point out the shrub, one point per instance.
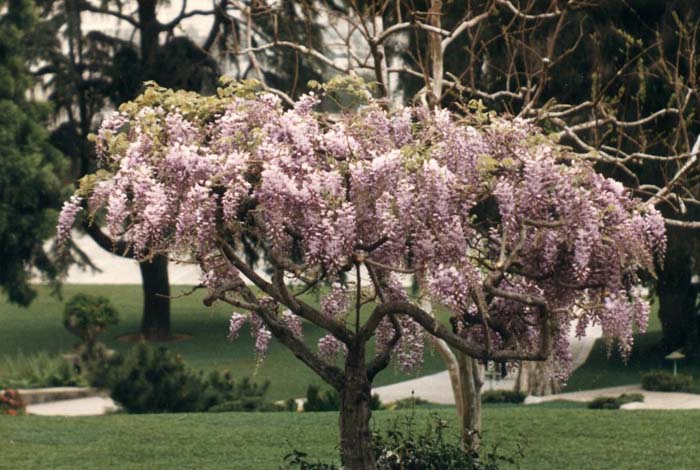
[[86, 316], [408, 403], [403, 447], [152, 380], [604, 403], [328, 400], [662, 381], [11, 403], [38, 370], [503, 396], [613, 403], [629, 398]]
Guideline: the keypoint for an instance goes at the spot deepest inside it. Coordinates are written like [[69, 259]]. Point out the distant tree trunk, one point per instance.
[[155, 317], [536, 378], [471, 382], [355, 437], [155, 321]]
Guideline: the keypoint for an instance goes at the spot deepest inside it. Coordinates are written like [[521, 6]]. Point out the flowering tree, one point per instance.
[[513, 234]]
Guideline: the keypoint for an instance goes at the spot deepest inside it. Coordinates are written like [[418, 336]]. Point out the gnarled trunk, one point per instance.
[[355, 437], [155, 322], [471, 383], [536, 378]]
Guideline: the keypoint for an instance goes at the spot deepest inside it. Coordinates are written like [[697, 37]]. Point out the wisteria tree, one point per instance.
[[512, 233]]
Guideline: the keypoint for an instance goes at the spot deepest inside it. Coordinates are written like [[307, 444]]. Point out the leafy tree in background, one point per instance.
[[30, 167], [87, 72]]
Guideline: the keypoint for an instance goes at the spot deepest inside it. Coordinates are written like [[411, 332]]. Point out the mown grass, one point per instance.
[[39, 328], [553, 439]]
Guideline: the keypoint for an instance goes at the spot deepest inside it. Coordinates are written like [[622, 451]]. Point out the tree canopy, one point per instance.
[[514, 234]]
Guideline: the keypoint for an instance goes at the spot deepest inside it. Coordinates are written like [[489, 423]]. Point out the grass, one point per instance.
[[39, 328], [554, 439], [609, 370]]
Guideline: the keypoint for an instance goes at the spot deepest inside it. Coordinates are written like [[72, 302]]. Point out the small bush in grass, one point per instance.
[[503, 396], [38, 370], [614, 403], [86, 316], [11, 403], [630, 398], [408, 403], [403, 446], [328, 400], [604, 403], [662, 381], [149, 380]]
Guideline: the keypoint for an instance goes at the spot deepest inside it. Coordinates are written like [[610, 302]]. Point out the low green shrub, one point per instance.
[[150, 380], [87, 315], [629, 398], [38, 370], [503, 396], [604, 403], [328, 400], [404, 447], [614, 403], [662, 381], [408, 403]]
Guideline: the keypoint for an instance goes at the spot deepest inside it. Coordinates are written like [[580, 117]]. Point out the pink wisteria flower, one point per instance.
[[485, 215]]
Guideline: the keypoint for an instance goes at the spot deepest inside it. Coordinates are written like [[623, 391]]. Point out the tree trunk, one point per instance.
[[448, 358], [536, 378], [355, 437], [471, 381], [155, 322]]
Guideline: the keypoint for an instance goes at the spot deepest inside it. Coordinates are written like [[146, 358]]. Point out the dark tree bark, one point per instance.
[[355, 437], [155, 317], [155, 321]]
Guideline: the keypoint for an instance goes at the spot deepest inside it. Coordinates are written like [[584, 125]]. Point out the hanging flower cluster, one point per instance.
[[483, 208]]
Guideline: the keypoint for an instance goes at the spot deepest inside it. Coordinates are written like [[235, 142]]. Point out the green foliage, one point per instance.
[[328, 400], [207, 350], [408, 403], [662, 381], [614, 403], [630, 398], [403, 446], [153, 380], [503, 396], [317, 400], [30, 189], [88, 315], [37, 370], [604, 403]]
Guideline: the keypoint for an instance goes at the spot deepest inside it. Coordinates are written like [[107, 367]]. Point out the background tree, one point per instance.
[[30, 184], [90, 71], [87, 71]]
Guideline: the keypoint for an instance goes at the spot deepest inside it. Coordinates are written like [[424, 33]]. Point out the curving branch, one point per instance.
[[435, 328]]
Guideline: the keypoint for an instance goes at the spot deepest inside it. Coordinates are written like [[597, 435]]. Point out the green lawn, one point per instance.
[[603, 370], [39, 328], [554, 439]]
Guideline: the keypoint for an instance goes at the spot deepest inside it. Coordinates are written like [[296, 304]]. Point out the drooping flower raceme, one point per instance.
[[487, 214]]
